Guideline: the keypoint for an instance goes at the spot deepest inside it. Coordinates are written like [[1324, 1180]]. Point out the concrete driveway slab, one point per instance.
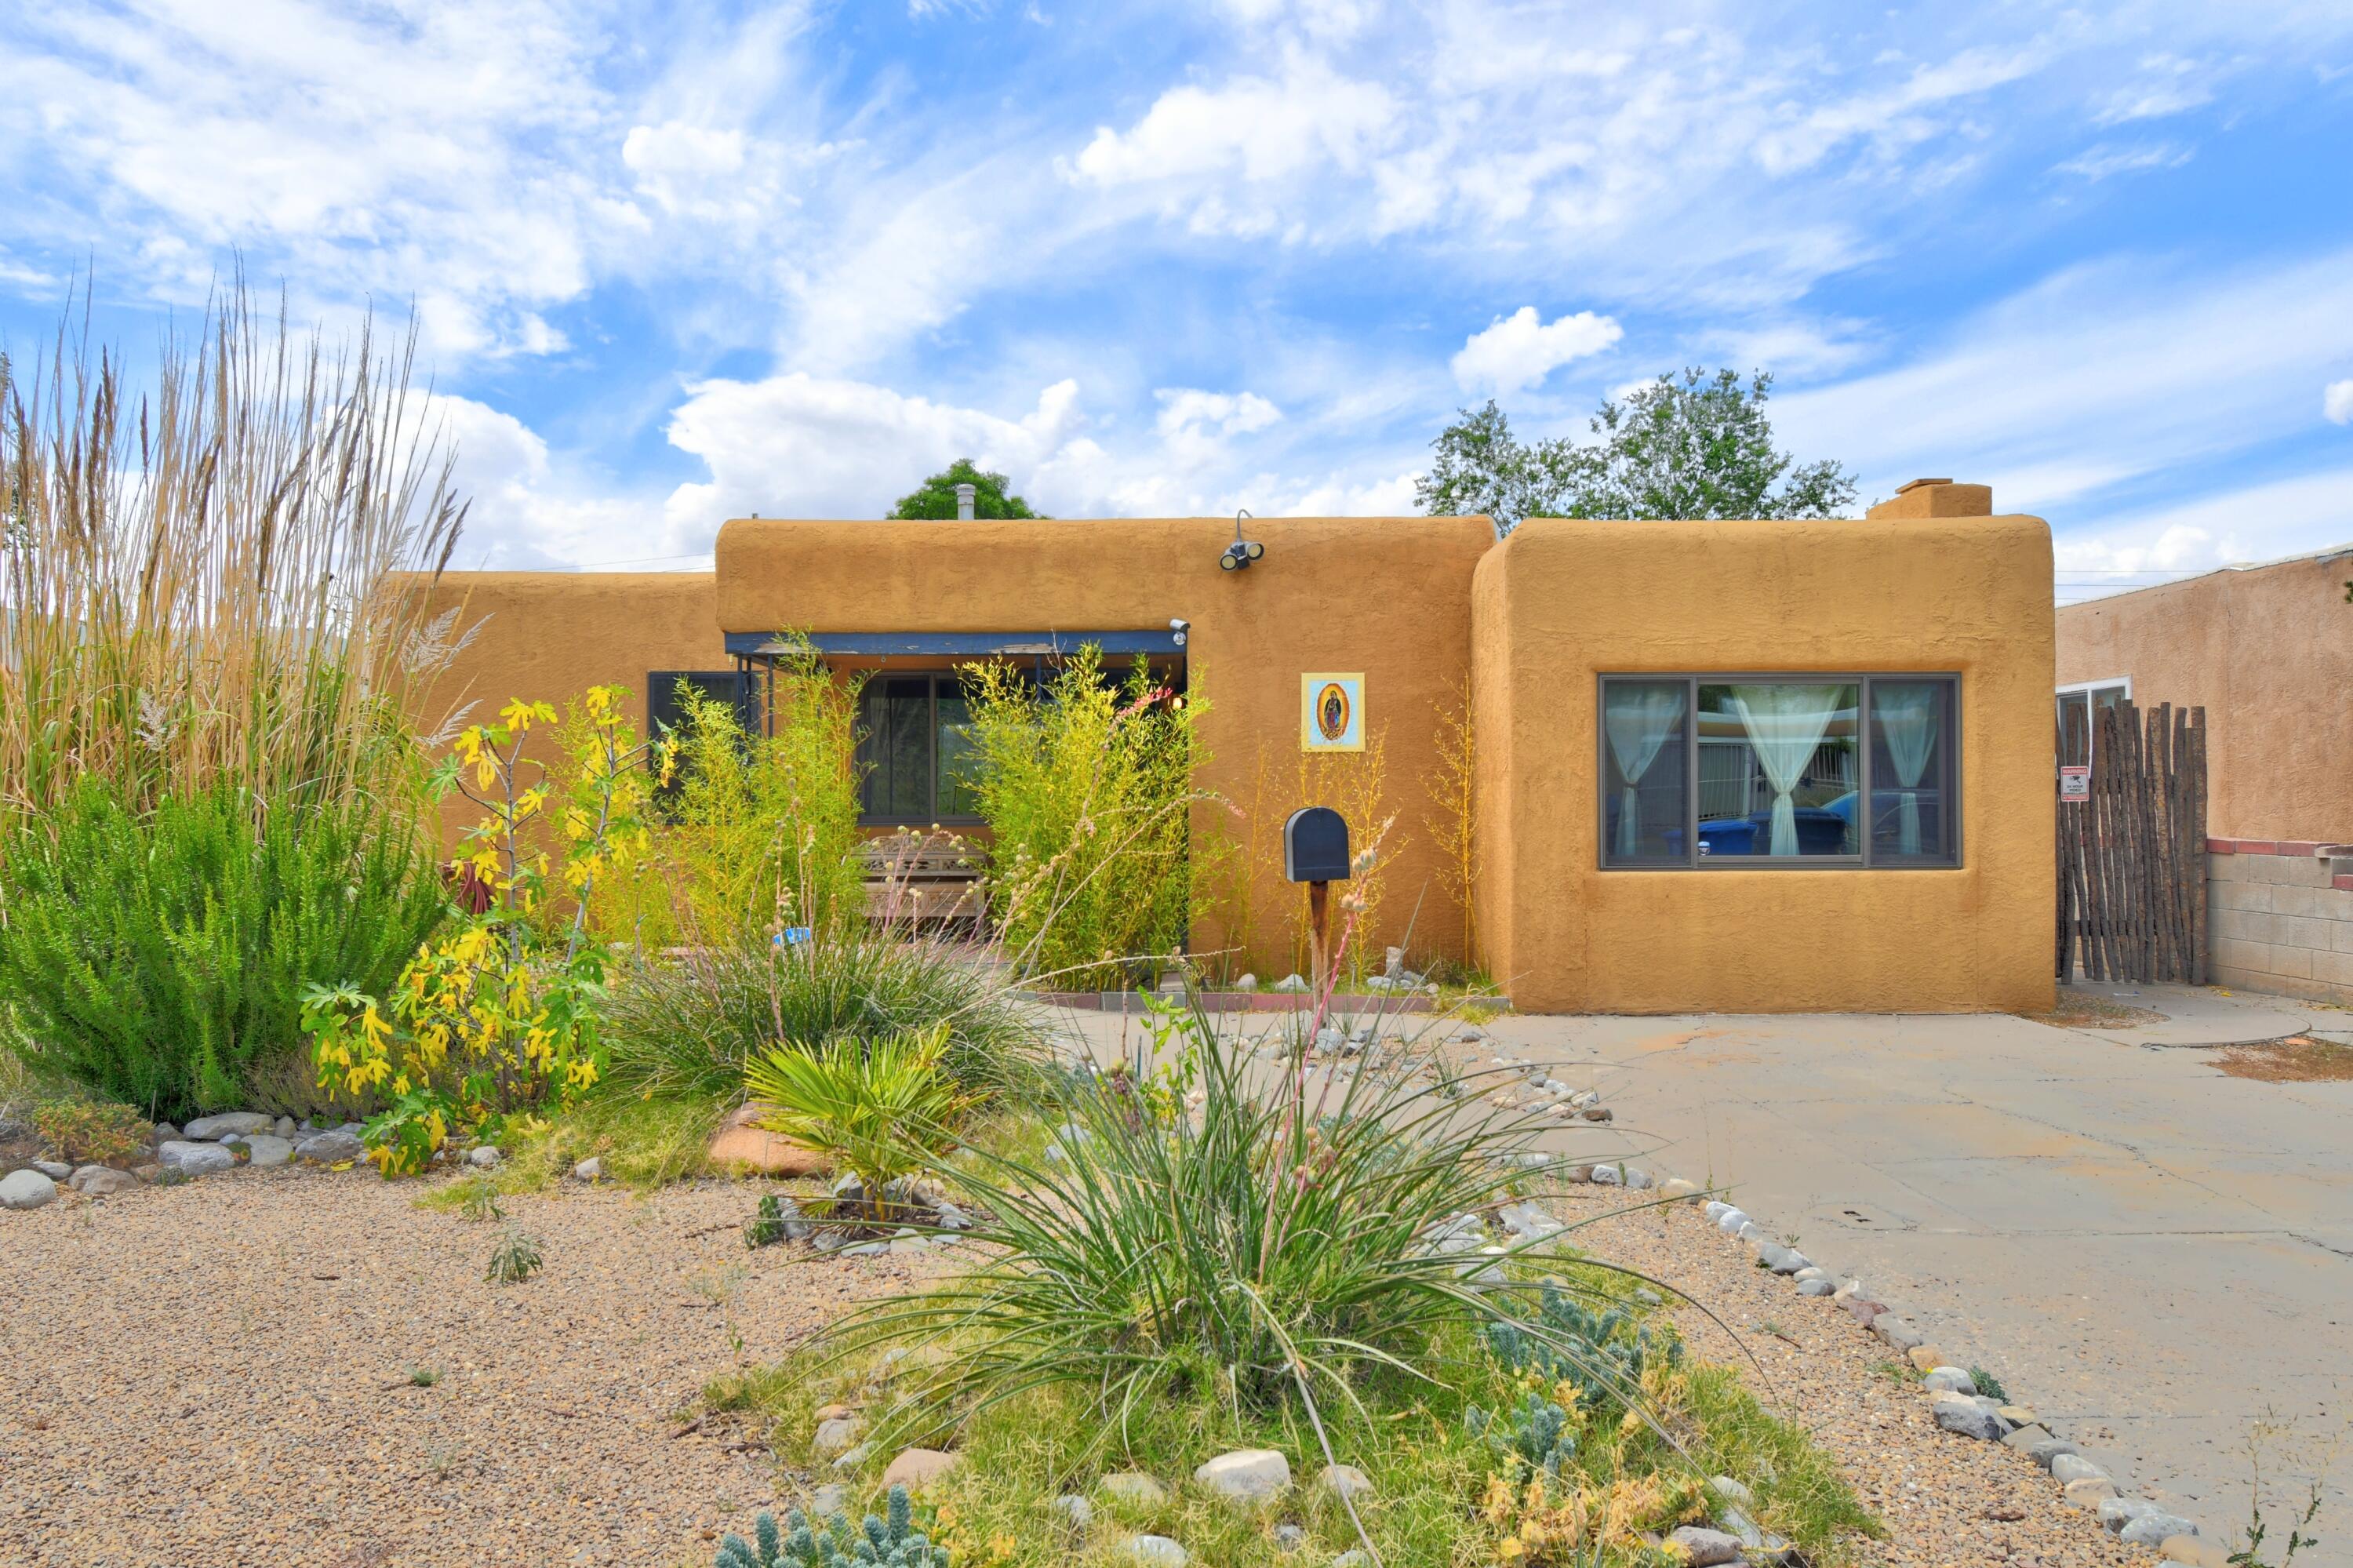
[[2151, 1253]]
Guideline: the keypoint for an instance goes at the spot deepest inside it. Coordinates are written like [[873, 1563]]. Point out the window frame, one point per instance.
[[2090, 692], [1693, 861], [931, 740]]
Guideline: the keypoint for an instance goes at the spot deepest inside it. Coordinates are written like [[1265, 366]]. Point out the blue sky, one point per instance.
[[675, 264]]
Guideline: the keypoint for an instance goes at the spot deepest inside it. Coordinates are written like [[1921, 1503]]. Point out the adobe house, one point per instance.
[[1719, 766], [2267, 650]]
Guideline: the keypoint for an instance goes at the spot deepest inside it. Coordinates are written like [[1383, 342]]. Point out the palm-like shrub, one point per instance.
[[882, 1110], [159, 959], [1286, 1234], [689, 1023]]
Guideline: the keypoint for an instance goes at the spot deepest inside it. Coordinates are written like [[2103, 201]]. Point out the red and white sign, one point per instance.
[[2075, 784]]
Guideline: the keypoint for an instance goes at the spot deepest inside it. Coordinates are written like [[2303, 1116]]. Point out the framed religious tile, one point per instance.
[[1332, 712]]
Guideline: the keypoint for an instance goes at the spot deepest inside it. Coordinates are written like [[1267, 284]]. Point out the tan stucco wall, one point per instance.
[[1561, 603], [1388, 597], [550, 635], [2268, 652]]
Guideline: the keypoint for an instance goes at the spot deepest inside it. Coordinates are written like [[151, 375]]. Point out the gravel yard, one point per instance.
[[1945, 1499], [221, 1374]]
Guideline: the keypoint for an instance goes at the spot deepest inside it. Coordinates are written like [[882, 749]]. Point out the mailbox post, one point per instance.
[[1315, 852]]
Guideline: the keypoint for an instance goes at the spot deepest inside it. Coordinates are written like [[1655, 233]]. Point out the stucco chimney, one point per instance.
[[1937, 498], [965, 492]]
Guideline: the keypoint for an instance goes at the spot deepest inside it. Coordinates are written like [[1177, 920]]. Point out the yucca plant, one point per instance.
[[883, 1109], [1283, 1235]]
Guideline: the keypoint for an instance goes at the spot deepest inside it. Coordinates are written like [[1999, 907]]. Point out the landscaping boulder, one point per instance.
[[2088, 1493], [54, 1169], [2046, 1451], [917, 1468], [27, 1189], [1677, 1188], [1134, 1486], [1956, 1412], [1816, 1286], [101, 1181], [2073, 1467], [335, 1147], [2155, 1528], [1950, 1379], [1076, 1509], [267, 1148], [589, 1169], [186, 1159], [1154, 1550], [1706, 1548], [739, 1144], [835, 1436], [1895, 1333], [484, 1157], [1248, 1475], [1730, 1220], [213, 1128], [1343, 1481]]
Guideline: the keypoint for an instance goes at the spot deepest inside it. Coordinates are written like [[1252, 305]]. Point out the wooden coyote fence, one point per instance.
[[2132, 856]]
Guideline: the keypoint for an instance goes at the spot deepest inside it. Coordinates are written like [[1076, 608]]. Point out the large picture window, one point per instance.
[[1779, 770]]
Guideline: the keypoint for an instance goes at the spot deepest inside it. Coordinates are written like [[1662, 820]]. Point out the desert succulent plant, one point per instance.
[[891, 1541]]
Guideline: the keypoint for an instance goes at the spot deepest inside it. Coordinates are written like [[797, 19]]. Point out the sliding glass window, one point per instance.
[[1769, 770]]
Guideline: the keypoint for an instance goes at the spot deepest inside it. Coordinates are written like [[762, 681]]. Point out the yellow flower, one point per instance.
[[1000, 1549]]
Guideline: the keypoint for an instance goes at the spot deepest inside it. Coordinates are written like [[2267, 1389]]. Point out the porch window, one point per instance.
[[914, 748], [2080, 706], [1779, 770]]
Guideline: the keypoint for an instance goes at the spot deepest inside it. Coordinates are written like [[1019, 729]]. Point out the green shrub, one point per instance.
[[161, 960], [759, 831], [882, 1110], [515, 1259], [87, 1130], [1087, 788], [689, 1023]]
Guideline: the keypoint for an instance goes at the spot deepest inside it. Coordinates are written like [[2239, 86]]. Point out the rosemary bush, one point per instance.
[[159, 959]]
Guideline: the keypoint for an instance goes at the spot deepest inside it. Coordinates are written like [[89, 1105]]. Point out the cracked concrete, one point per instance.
[[2155, 1256]]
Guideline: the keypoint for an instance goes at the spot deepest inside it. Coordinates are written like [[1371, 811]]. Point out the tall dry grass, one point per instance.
[[194, 575]]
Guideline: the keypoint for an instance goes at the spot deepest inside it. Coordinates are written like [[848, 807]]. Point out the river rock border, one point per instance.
[[1954, 1403]]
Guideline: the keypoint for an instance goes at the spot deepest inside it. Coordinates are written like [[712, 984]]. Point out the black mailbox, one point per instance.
[[1315, 845]]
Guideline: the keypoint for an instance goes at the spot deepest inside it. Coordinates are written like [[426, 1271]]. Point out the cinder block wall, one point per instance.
[[2280, 917]]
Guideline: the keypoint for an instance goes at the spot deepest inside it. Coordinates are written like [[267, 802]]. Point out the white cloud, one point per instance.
[[2167, 86], [524, 515], [2098, 375], [2259, 522], [1256, 128], [2337, 402], [1896, 116], [1184, 410], [1519, 350], [803, 446], [2099, 162]]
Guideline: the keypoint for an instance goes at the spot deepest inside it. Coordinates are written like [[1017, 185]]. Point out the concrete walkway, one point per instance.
[[2154, 1255]]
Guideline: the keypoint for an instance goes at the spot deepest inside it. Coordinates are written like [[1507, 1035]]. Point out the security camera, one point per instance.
[[1180, 625]]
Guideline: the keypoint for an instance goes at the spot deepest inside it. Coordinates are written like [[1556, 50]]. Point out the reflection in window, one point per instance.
[[1911, 769], [1776, 757], [1642, 724]]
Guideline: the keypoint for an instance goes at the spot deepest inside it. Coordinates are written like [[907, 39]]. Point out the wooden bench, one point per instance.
[[924, 879]]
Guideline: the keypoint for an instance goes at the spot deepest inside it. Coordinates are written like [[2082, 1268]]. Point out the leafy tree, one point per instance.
[[1700, 447], [935, 497]]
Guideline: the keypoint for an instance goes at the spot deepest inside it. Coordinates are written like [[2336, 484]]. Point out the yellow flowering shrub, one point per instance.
[[498, 1015]]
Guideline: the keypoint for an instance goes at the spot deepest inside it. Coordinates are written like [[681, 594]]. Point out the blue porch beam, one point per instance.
[[953, 644]]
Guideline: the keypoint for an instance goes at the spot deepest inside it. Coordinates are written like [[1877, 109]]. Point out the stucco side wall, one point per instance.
[[1561, 603], [2268, 652], [552, 635], [1388, 597]]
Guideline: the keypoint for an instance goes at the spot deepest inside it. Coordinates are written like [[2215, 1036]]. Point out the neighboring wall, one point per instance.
[[1560, 602], [550, 635], [1388, 597], [2280, 917], [2268, 652]]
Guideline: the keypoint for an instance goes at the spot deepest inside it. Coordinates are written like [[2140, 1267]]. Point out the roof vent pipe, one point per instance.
[[965, 492]]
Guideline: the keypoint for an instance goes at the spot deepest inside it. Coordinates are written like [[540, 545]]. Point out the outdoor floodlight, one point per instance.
[[1241, 552], [1180, 625]]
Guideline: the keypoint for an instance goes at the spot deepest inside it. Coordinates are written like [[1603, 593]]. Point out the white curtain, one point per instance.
[[1785, 725], [1907, 717], [1637, 720]]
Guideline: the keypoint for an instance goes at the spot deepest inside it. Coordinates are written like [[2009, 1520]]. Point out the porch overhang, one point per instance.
[[953, 644]]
